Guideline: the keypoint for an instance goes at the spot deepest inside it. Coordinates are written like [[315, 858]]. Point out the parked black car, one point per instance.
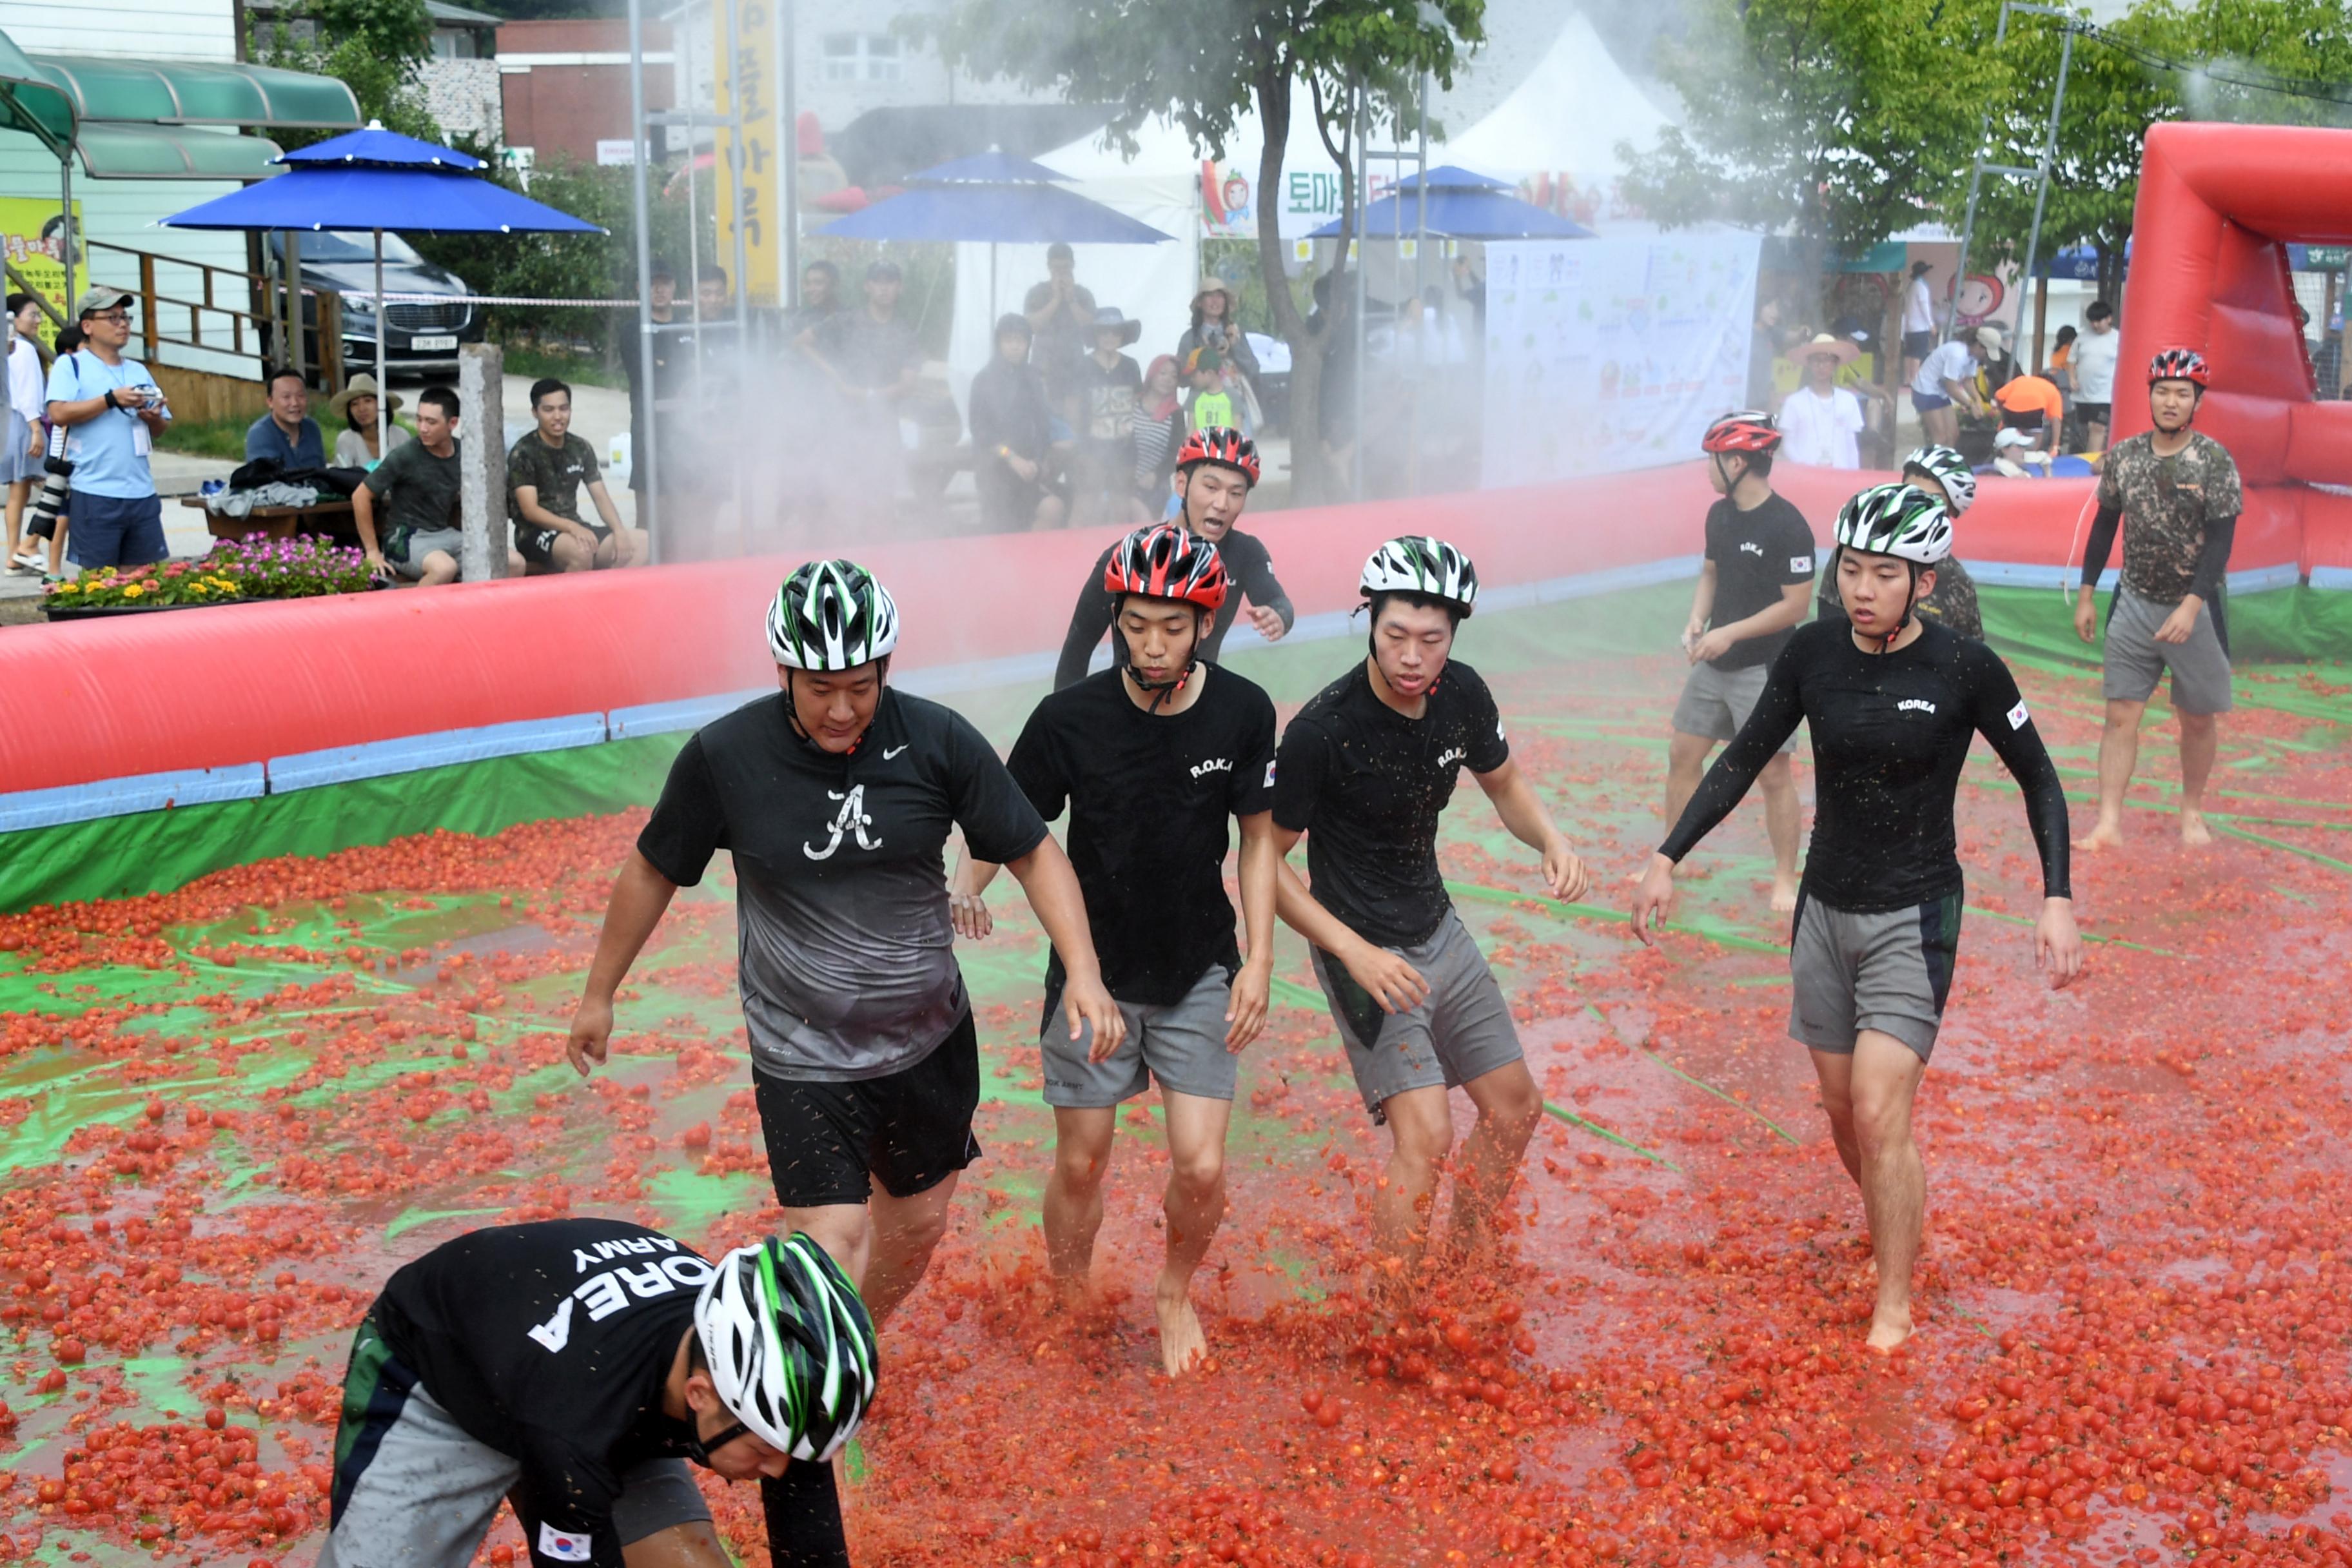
[[420, 335]]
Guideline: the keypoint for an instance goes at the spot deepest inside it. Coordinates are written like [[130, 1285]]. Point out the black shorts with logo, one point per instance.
[[536, 545], [829, 1141]]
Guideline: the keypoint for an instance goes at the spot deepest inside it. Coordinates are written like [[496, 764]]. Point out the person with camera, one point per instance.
[[109, 413]]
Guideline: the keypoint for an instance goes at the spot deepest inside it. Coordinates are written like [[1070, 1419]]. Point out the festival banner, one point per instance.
[[1611, 353], [746, 86], [1310, 196], [34, 241]]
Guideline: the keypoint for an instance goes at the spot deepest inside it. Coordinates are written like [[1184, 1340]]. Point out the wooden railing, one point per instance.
[[266, 323]]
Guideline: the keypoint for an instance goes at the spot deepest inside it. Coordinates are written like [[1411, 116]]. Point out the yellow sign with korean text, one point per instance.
[[745, 85], [33, 238]]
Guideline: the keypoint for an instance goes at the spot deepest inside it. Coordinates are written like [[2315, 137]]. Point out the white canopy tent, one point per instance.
[[1565, 120]]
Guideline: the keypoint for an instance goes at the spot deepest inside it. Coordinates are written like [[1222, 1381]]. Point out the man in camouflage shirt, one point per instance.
[[2180, 491], [546, 471]]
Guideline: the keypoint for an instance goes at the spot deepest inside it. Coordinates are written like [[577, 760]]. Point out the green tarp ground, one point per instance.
[[2297, 625]]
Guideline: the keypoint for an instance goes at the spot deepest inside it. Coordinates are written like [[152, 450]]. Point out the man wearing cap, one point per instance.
[[1947, 377], [1110, 384], [1062, 316], [109, 412], [1821, 422]]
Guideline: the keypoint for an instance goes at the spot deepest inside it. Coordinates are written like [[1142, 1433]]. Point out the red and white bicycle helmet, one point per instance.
[[1742, 430], [1165, 562], [1220, 444], [2179, 365]]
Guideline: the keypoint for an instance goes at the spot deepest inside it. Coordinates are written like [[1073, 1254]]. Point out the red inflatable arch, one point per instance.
[[2218, 204]]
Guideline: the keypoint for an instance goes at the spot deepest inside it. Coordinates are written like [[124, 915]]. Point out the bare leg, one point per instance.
[[1421, 1130], [2118, 754], [905, 1232], [693, 1545], [440, 567], [1510, 1105], [17, 495], [1194, 1204], [844, 1230], [1685, 765], [1884, 1081], [1780, 813], [1835, 1071], [2200, 737], [1074, 1199]]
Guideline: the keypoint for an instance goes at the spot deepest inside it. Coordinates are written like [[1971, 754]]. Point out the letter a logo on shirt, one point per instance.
[[564, 1547], [850, 820]]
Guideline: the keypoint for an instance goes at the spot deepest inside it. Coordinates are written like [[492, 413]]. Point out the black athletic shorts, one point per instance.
[[536, 545], [911, 1130]]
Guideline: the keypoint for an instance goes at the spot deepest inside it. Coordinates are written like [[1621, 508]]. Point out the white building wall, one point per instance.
[[138, 29]]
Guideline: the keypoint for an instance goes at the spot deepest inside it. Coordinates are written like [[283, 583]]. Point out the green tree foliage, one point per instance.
[[1835, 121], [372, 46], [1205, 68]]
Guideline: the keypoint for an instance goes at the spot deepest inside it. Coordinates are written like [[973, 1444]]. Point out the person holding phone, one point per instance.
[[109, 405]]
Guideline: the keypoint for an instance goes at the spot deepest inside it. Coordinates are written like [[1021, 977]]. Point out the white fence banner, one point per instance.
[[1613, 353]]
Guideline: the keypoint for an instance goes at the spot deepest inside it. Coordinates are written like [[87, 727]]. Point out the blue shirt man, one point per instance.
[[287, 433], [110, 413]]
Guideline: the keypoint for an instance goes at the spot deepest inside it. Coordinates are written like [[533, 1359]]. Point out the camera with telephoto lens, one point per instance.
[[43, 524]]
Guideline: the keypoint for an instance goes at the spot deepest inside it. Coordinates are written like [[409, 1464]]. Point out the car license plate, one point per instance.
[[428, 345]]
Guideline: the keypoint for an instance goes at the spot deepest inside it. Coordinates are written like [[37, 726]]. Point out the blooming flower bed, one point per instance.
[[251, 568]]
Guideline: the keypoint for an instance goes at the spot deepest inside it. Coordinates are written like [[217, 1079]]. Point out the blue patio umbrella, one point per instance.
[[1456, 212], [993, 198], [361, 179]]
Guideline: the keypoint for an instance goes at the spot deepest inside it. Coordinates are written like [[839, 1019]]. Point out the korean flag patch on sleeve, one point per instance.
[[1800, 564], [564, 1548], [2018, 715], [1269, 773]]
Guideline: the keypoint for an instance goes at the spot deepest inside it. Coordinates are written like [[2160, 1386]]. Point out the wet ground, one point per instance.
[[225, 1113]]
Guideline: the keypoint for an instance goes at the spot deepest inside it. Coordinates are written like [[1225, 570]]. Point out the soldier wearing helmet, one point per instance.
[[1943, 474], [1216, 472], [1893, 700], [1750, 593], [2175, 493], [1152, 758]]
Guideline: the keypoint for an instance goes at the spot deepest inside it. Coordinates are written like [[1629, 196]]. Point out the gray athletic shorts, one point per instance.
[[1181, 1046], [414, 1490], [1716, 702], [1463, 1030], [1887, 971], [2136, 660], [423, 543]]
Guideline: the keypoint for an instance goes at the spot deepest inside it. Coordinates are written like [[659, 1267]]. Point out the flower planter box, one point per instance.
[[104, 612]]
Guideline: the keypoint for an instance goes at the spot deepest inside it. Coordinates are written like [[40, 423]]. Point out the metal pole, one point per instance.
[[642, 212], [1421, 259], [737, 169], [1976, 186], [65, 228], [1358, 176], [384, 370], [2049, 149], [682, 48], [788, 171]]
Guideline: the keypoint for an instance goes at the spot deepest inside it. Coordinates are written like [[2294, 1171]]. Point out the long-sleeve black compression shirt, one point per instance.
[[1246, 563], [1890, 734], [2204, 578]]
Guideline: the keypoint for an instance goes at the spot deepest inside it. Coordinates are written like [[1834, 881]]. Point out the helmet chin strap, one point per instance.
[[1910, 599]]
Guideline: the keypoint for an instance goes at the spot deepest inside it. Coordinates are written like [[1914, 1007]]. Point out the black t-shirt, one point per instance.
[[1149, 797], [869, 353], [1248, 567], [1756, 553], [1107, 398], [845, 948], [1366, 784], [1890, 734]]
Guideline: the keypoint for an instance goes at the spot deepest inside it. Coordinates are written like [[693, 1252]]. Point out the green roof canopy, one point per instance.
[[195, 92], [110, 151], [30, 103]]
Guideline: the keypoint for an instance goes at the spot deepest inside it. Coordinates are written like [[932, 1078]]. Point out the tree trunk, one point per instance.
[[1307, 466]]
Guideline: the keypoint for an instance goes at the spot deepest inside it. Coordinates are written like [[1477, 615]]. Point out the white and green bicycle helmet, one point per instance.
[[832, 616], [790, 1346], [1419, 563], [1898, 519], [1949, 469]]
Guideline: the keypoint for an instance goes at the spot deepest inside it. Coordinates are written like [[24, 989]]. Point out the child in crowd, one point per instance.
[[1212, 406]]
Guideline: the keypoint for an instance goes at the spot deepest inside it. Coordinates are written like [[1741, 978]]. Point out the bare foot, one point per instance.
[[1889, 1327], [1183, 1345], [2194, 834], [1073, 1294], [2104, 834], [1784, 896]]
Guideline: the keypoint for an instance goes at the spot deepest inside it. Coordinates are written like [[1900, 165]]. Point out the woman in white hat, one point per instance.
[[1820, 421], [355, 444]]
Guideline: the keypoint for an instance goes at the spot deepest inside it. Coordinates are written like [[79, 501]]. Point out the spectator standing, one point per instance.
[[1214, 327], [1061, 316], [1763, 349], [546, 471], [1159, 430], [1211, 407], [111, 412], [54, 528], [872, 357], [286, 434], [1821, 422], [417, 486], [820, 299], [1918, 320], [355, 406], [711, 293], [2093, 363], [1471, 290], [1946, 378], [653, 366], [1012, 438], [26, 442], [1110, 384]]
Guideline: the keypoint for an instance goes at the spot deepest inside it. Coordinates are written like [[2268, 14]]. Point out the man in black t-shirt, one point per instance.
[[1151, 759], [1751, 595], [571, 1367], [1364, 771], [1216, 472], [836, 796], [1894, 701]]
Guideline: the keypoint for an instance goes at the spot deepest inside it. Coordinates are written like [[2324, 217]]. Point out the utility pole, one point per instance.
[[2040, 171]]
